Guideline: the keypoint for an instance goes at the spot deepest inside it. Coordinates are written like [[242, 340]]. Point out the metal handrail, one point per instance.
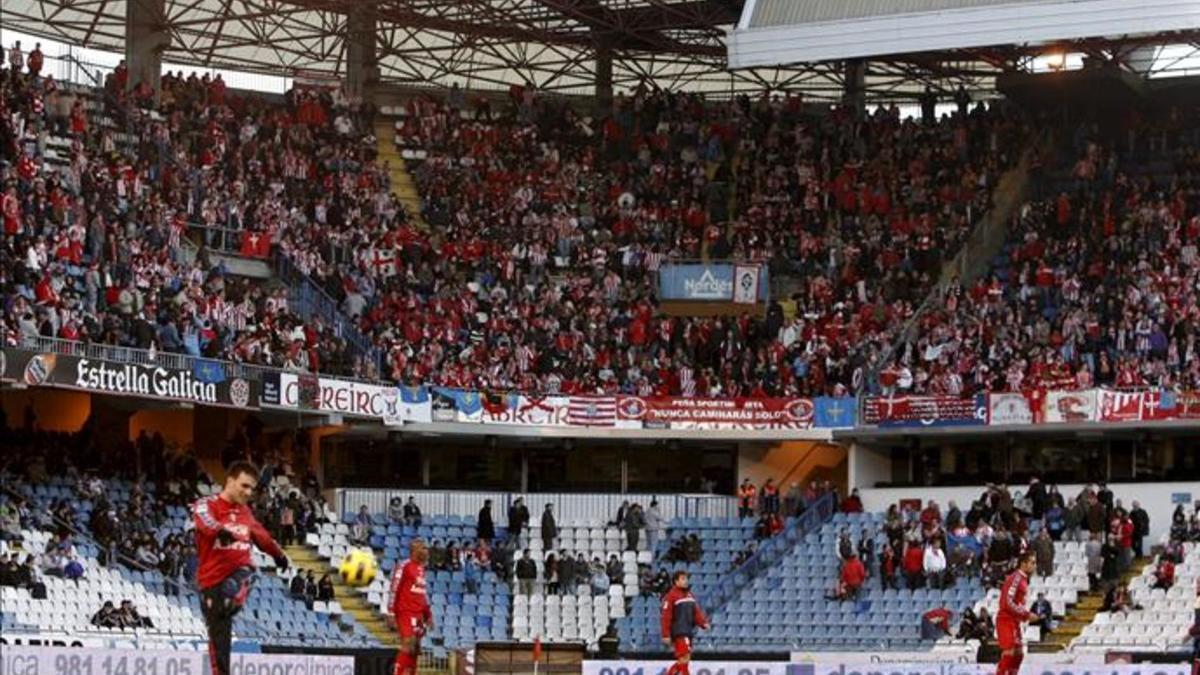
[[139, 356], [772, 551], [305, 290]]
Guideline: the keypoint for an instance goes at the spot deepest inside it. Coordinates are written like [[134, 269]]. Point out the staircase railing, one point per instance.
[[771, 551], [310, 299], [987, 233]]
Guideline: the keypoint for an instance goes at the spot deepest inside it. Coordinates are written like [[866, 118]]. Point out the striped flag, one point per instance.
[[592, 411]]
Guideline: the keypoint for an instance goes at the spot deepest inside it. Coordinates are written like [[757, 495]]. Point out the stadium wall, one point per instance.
[[793, 461], [1158, 499]]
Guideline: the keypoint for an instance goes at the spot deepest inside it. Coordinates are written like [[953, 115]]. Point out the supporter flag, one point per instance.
[[444, 405], [834, 412], [592, 411], [208, 371], [495, 403], [383, 261], [308, 388], [417, 394], [745, 284], [467, 402]]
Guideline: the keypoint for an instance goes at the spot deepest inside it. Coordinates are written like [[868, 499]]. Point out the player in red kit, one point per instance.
[[410, 606], [226, 530], [681, 616], [1012, 615]]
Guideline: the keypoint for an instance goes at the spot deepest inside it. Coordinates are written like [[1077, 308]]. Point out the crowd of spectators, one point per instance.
[[91, 244], [545, 231], [125, 616], [928, 547], [1099, 284]]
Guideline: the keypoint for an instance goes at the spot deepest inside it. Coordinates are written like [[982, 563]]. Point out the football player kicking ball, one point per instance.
[[410, 606], [226, 530], [1013, 614], [681, 616]]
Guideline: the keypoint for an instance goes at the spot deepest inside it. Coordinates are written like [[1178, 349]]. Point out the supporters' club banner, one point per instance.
[[346, 397], [1010, 408], [924, 411], [124, 379], [1069, 406], [710, 283], [834, 413], [713, 413], [592, 411]]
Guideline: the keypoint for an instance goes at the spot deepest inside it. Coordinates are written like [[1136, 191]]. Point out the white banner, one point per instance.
[[745, 284], [859, 665], [1070, 406], [346, 397], [21, 660], [695, 668], [1012, 408]]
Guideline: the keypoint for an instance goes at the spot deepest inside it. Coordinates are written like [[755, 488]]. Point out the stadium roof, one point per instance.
[[553, 44], [480, 44], [997, 32]]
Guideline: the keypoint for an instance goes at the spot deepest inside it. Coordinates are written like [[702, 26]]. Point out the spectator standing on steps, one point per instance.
[[526, 574], [654, 525], [1093, 551], [485, 529], [518, 518], [1043, 547], [770, 497], [549, 528], [1141, 527], [634, 522], [746, 497]]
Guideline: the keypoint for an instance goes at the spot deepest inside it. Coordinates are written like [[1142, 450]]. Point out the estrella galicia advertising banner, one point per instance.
[[207, 386], [713, 282]]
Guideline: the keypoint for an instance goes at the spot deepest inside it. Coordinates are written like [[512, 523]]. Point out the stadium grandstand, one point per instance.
[[600, 336]]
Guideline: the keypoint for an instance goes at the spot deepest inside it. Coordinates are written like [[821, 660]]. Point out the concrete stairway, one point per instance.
[[352, 602], [1083, 613], [403, 186]]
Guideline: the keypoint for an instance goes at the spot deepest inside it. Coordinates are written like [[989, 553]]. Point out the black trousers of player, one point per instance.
[[218, 614], [219, 605]]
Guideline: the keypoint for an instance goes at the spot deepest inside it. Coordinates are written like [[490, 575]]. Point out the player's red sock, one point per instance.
[[683, 669], [406, 664], [673, 669], [1015, 663], [1009, 664]]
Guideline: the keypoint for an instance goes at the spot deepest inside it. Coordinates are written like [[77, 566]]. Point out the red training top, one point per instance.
[[1012, 599], [408, 591], [217, 560]]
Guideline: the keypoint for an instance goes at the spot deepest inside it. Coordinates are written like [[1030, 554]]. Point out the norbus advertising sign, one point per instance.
[[204, 385]]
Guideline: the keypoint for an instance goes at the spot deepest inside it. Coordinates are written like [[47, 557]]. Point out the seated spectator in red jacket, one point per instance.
[[851, 580], [935, 623], [1164, 576]]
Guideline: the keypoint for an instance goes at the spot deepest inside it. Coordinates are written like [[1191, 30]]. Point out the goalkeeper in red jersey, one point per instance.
[[226, 530]]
